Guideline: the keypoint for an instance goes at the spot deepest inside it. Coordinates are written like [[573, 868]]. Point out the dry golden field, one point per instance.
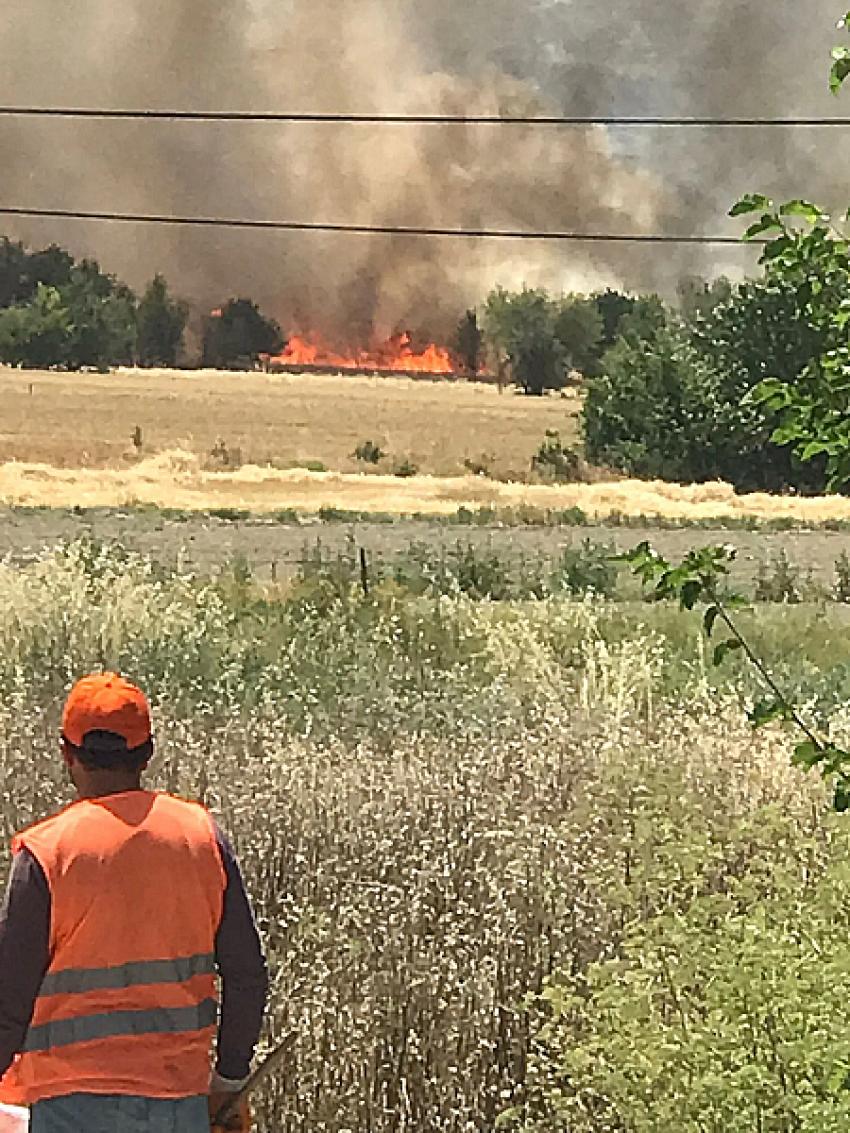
[[66, 441], [87, 420]]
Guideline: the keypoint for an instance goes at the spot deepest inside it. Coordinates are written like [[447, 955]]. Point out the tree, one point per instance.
[[161, 323], [51, 266], [13, 258], [37, 334], [807, 259], [698, 297], [580, 329], [648, 316], [469, 342], [612, 306], [651, 412], [21, 272], [237, 334], [103, 317], [521, 326]]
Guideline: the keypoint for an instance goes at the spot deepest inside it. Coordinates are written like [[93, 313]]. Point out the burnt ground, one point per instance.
[[205, 543]]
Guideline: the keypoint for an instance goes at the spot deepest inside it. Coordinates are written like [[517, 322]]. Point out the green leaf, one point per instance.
[[766, 224], [710, 620], [805, 209], [691, 593], [722, 651], [841, 798], [750, 203], [839, 73], [771, 390], [813, 449], [777, 248], [766, 711], [807, 755]]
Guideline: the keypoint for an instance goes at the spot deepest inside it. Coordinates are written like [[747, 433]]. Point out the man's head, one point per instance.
[[106, 733]]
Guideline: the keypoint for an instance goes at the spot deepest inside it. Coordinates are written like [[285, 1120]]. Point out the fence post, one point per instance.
[[364, 571]]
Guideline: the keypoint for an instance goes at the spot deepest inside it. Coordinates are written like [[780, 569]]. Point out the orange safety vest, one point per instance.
[[128, 1004]]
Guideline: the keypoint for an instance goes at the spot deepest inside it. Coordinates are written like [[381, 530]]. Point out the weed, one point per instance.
[[367, 452], [405, 469], [556, 461], [779, 580]]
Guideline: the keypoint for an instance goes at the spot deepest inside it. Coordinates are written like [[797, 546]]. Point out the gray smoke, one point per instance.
[[397, 56]]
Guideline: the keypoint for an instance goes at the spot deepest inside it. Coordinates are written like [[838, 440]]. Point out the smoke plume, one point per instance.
[[400, 56]]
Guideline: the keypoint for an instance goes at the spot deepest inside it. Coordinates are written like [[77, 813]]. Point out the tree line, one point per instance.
[[58, 312]]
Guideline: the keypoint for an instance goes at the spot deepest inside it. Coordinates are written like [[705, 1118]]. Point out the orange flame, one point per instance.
[[396, 355]]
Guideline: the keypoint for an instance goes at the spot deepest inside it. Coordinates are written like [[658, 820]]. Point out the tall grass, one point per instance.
[[436, 801]]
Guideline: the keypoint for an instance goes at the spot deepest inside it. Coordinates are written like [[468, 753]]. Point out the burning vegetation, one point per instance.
[[397, 355]]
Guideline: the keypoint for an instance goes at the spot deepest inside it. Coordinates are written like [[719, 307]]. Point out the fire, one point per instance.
[[396, 355]]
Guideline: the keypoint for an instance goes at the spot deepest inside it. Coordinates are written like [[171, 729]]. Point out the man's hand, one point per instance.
[[238, 1122]]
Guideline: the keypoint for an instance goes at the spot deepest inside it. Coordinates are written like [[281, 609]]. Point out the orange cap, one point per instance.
[[105, 702]]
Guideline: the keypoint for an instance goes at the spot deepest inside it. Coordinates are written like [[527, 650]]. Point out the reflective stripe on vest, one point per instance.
[[87, 1028], [74, 981]]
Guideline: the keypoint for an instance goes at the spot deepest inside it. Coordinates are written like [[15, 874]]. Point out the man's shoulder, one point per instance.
[[39, 831]]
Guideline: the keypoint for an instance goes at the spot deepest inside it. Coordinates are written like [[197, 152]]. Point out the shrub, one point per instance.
[[727, 1013], [587, 569], [778, 580], [556, 461], [223, 455], [367, 452], [405, 468], [480, 466], [841, 589]]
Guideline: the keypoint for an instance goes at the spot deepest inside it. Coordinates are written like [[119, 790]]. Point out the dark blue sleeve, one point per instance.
[[242, 969], [24, 951]]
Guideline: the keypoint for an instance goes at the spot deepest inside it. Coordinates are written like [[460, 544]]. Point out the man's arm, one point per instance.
[[244, 978], [24, 952]]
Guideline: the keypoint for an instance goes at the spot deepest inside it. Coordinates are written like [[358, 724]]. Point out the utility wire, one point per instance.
[[376, 229], [418, 119]]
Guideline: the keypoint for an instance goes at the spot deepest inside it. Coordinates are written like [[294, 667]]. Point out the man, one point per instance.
[[119, 911]]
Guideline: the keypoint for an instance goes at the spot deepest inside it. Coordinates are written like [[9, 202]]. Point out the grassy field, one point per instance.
[[87, 420], [439, 803]]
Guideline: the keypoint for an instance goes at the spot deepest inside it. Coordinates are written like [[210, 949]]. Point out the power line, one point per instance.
[[418, 119], [376, 229]]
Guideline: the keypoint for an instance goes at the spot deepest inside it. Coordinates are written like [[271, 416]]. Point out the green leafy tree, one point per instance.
[[51, 266], [808, 257], [161, 324], [698, 297], [649, 315], [37, 334], [21, 272], [612, 306], [236, 335], [580, 329], [103, 317], [469, 342], [650, 412], [521, 325], [13, 258]]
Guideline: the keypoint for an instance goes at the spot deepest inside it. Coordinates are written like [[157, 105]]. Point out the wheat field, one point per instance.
[[87, 420]]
